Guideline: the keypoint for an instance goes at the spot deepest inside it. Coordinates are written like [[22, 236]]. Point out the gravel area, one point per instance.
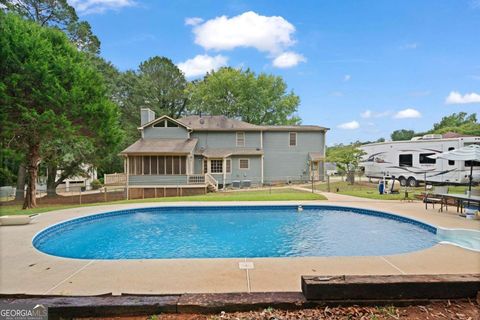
[[461, 310]]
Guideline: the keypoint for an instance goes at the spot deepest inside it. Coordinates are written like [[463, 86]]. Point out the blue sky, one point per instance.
[[362, 67]]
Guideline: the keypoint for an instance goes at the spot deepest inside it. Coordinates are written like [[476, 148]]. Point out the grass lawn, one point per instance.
[[258, 195], [370, 190]]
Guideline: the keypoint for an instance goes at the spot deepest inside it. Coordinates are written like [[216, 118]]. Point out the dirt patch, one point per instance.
[[460, 310]]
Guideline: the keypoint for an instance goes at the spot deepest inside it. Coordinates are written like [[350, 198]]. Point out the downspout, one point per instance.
[[128, 175], [261, 158], [224, 167]]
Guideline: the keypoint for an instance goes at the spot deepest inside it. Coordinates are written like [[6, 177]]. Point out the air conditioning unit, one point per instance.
[[432, 136]]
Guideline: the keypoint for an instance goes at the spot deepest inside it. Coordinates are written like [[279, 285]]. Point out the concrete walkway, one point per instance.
[[24, 270]]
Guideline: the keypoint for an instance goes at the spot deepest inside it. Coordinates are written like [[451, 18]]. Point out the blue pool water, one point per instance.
[[222, 232]]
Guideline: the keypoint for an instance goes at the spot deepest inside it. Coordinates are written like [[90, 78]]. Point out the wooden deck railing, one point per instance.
[[115, 179]]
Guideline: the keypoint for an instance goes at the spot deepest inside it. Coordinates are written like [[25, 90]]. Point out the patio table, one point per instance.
[[460, 199]]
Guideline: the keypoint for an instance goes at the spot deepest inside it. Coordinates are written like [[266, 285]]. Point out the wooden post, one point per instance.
[[328, 183], [105, 193]]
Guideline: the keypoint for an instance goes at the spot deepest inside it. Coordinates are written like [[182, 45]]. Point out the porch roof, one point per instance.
[[161, 146], [316, 156], [226, 152]]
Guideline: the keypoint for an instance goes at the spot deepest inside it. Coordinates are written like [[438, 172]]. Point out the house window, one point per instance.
[[240, 139], [405, 160], [472, 163], [205, 166], [451, 162], [423, 158], [228, 166], [292, 141], [171, 124], [216, 166], [244, 164]]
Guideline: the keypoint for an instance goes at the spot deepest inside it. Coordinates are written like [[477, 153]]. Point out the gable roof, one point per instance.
[[161, 146], [222, 123], [153, 122], [217, 123], [295, 128]]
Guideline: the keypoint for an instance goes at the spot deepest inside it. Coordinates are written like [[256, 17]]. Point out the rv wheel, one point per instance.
[[412, 182], [403, 181]]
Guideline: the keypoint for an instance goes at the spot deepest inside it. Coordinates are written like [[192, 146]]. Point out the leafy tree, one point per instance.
[[49, 89], [458, 122], [347, 158], [59, 14], [237, 93], [402, 134], [161, 86], [455, 120]]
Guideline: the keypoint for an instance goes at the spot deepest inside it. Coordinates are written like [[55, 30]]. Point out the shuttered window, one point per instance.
[[292, 139], [228, 166], [240, 139]]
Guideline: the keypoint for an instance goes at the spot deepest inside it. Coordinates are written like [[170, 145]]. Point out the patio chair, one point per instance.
[[435, 197]]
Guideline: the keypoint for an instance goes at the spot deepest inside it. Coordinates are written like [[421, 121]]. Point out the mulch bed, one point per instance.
[[461, 310]]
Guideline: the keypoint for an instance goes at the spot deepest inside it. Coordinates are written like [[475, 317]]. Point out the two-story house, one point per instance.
[[193, 154]]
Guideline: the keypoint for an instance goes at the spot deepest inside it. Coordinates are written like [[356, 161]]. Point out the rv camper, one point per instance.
[[409, 161]]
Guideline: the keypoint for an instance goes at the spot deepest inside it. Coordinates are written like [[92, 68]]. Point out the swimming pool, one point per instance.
[[233, 231]]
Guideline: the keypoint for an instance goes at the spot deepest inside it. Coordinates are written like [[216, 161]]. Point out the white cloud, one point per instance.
[[456, 97], [193, 21], [411, 45], [271, 34], [407, 114], [337, 93], [288, 59], [371, 114], [201, 64], [352, 125], [347, 77], [100, 6]]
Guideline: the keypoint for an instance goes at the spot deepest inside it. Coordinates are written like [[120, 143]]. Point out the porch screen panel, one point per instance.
[[146, 165], [138, 165], [169, 165], [183, 165], [131, 165], [161, 165], [176, 165], [153, 165]]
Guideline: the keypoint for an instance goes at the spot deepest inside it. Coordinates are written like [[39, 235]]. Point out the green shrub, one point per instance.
[[96, 184]]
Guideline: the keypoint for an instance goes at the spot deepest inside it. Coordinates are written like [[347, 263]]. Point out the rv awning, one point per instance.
[[161, 146], [226, 152], [471, 152], [316, 156]]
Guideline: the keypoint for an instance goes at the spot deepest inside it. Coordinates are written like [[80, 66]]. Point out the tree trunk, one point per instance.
[[351, 177], [32, 168], [51, 183], [20, 192]]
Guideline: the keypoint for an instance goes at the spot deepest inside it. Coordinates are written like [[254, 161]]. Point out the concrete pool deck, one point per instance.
[[25, 270]]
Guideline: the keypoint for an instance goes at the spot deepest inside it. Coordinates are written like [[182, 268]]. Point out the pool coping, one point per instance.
[[86, 277]]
